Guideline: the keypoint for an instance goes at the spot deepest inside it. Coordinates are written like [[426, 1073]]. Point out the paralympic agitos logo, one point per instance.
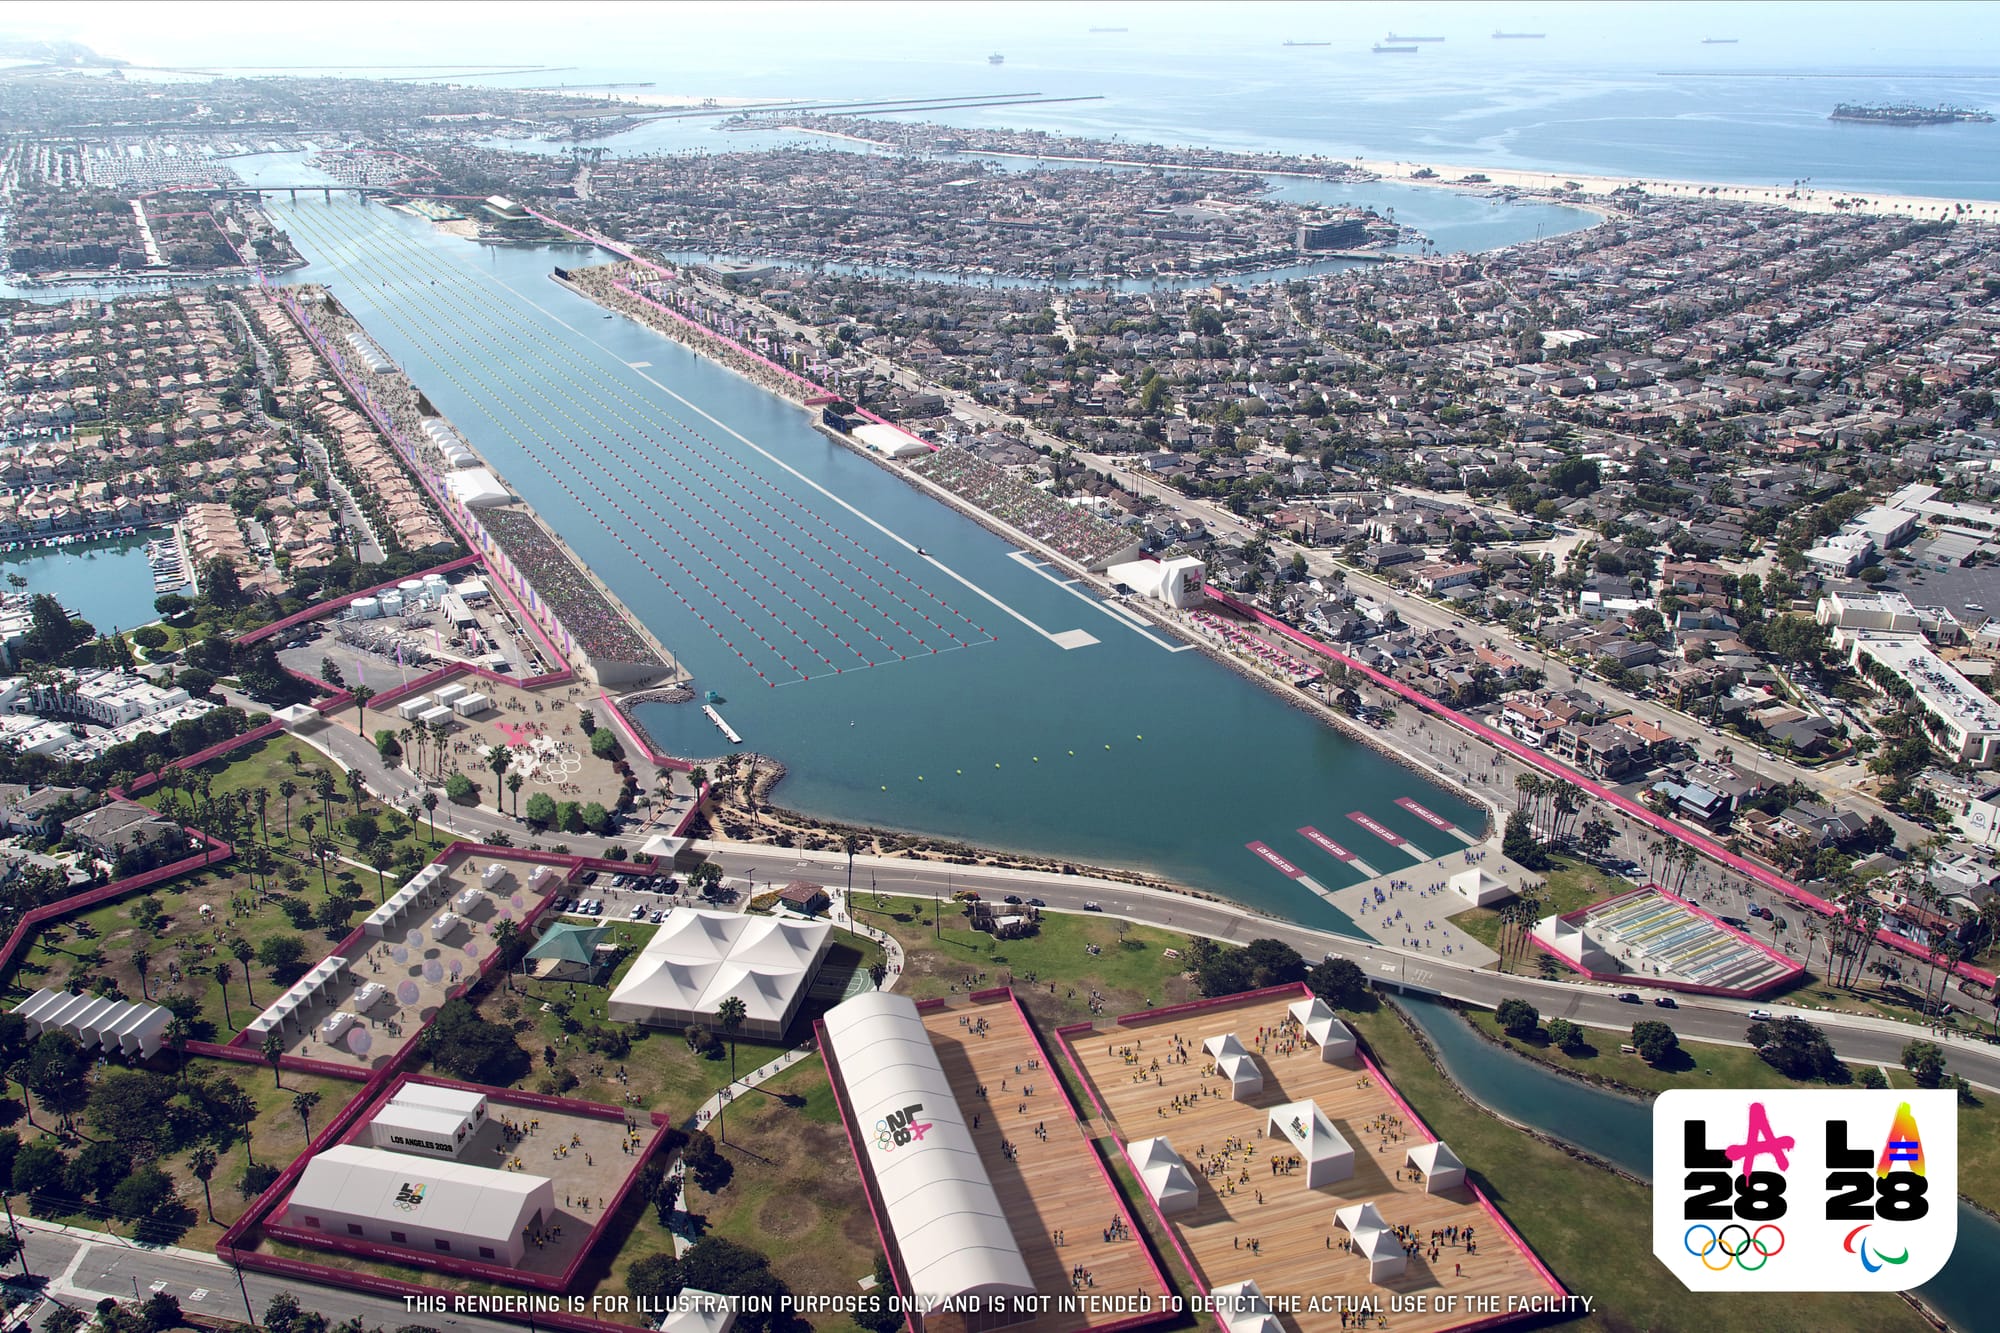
[[1805, 1189]]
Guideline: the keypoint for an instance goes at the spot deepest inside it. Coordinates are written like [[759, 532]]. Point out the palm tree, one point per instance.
[[274, 1052], [223, 972], [514, 784], [142, 958], [323, 786], [320, 848], [287, 789], [362, 694], [430, 808], [354, 788], [439, 731], [497, 759], [240, 949], [412, 747], [381, 858], [203, 1163], [177, 1037], [303, 1103], [260, 797], [729, 1017]]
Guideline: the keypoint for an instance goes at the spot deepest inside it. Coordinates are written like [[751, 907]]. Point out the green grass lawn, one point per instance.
[[104, 944], [1129, 971], [276, 1136], [1713, 1066], [1569, 884], [1575, 1216]]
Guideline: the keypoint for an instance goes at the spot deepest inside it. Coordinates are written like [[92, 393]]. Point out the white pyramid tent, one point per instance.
[[1327, 1154], [1236, 1064], [1440, 1165], [1383, 1252], [1335, 1038], [1164, 1175], [1241, 1308]]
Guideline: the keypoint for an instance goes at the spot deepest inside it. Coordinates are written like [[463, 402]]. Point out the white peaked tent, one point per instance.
[[1328, 1156], [1440, 1165], [1164, 1175], [1384, 1254], [1242, 1308], [1360, 1217], [111, 1025], [1335, 1038], [1235, 1064], [698, 959]]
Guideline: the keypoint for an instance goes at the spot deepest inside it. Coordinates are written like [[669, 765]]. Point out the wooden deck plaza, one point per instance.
[[1253, 1223], [1053, 1180]]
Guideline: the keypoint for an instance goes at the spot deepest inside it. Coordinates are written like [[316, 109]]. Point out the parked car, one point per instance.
[[638, 911], [1629, 997], [659, 916]]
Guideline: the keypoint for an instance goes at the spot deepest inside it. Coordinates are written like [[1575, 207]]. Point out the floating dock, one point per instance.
[[724, 727]]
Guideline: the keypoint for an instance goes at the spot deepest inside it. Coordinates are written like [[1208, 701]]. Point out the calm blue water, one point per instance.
[[1690, 112], [108, 583], [1620, 1130], [902, 690]]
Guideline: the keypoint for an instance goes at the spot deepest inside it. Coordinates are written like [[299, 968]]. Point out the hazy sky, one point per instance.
[[598, 34]]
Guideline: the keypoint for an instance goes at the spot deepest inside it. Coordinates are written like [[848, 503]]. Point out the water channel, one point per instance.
[[1620, 1130]]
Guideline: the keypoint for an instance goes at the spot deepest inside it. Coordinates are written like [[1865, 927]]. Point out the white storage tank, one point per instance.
[[435, 585], [391, 603], [411, 589], [364, 608]]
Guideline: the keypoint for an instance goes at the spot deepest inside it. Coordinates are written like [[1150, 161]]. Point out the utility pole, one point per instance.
[[241, 1286], [14, 1229]]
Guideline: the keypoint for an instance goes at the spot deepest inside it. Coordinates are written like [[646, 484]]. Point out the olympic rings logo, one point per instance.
[[1736, 1253], [884, 1140]]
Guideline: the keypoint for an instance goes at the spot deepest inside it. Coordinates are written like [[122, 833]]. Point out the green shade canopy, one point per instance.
[[569, 943]]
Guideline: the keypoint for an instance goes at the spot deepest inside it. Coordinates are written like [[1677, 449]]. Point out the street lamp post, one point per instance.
[[14, 1230]]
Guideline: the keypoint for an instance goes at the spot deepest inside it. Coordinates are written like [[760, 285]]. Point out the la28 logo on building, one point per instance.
[[1804, 1189]]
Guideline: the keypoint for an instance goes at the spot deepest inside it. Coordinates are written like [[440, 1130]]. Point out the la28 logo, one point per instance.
[[1804, 1190]]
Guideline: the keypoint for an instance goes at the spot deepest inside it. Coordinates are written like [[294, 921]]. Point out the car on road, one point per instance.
[[1092, 906], [1760, 1015], [1629, 997], [1036, 902], [1665, 1002], [1012, 898]]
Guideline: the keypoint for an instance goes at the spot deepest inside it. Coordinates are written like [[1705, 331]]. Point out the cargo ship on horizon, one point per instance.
[[1500, 36], [1384, 49], [1392, 37], [1308, 43]]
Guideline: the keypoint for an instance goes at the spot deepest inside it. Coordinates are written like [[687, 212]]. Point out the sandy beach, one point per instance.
[[1807, 198]]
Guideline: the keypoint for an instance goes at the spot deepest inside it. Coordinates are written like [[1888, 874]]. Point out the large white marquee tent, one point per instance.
[[698, 959]]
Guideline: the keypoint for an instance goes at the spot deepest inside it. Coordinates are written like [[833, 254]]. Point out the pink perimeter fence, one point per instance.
[[1528, 754]]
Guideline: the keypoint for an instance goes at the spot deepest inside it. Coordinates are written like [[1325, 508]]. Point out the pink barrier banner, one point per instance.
[[1436, 821], [1325, 844], [1278, 862], [1390, 836]]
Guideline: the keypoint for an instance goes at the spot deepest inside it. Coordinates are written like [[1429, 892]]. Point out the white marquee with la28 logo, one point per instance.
[[1805, 1189]]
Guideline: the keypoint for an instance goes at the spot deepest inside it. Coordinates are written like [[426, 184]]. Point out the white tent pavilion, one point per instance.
[[1328, 1156], [1384, 1254], [1440, 1165], [1165, 1176], [1235, 1064], [1241, 1308], [1360, 1217], [1335, 1038]]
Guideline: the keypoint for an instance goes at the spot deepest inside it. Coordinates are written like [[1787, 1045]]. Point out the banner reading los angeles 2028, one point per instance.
[[1805, 1189]]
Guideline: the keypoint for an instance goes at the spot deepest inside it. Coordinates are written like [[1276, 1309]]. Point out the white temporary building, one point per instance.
[[1241, 1307], [1178, 582], [425, 1131], [496, 874], [446, 693], [416, 894], [471, 705], [1235, 1064], [1481, 888], [889, 440], [334, 1026], [1316, 1017], [1440, 1165], [414, 707], [126, 1026], [697, 1311], [476, 487], [444, 925], [430, 717], [467, 1102], [305, 992], [433, 1207], [1326, 1152], [1163, 1173], [950, 1232], [368, 997], [1383, 1252], [699, 958]]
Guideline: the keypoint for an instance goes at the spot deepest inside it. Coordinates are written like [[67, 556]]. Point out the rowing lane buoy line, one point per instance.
[[617, 400]]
